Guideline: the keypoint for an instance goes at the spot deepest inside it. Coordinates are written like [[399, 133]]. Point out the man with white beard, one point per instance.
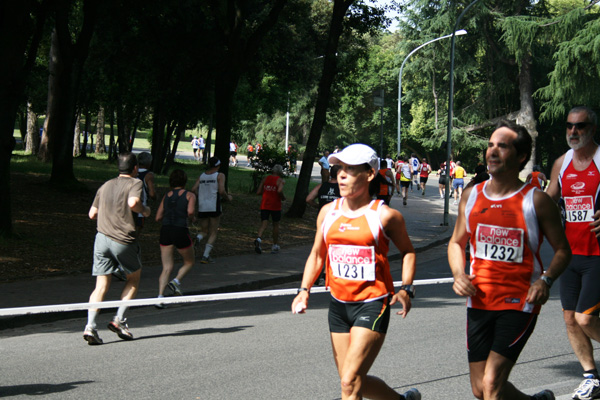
[[574, 184]]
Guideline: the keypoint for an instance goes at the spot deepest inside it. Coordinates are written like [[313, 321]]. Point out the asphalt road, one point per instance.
[[257, 349]]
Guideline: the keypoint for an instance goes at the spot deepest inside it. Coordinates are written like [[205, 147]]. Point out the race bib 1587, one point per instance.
[[356, 263], [498, 243], [579, 209]]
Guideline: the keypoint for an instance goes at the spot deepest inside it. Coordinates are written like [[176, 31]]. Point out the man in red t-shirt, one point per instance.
[[425, 171], [271, 189]]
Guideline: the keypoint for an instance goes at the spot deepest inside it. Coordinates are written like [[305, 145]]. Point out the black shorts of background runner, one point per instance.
[[177, 236], [504, 332], [373, 315], [275, 215], [579, 285]]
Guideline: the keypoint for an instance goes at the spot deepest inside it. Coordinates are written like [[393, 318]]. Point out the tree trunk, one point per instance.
[[324, 93], [241, 47], [158, 131], [33, 135], [77, 137], [44, 153], [100, 146], [70, 63], [86, 134], [21, 28], [526, 116], [435, 100]]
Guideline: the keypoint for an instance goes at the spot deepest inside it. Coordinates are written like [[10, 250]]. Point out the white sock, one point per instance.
[[207, 250], [92, 318], [177, 281], [121, 312]]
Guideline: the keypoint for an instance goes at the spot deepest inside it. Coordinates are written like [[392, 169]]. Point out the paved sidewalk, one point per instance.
[[249, 271]]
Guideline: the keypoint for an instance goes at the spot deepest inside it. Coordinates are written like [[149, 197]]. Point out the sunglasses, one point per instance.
[[578, 125]]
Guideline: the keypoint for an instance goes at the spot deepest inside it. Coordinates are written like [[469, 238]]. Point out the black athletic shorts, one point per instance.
[[405, 183], [373, 315], [177, 236], [424, 179], [504, 332], [442, 180], [579, 285], [275, 215]]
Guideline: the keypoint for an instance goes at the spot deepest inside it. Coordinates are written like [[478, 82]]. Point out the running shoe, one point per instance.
[[90, 335], [176, 287], [455, 203], [120, 328], [257, 248], [589, 388], [275, 249], [404, 200], [544, 395], [160, 306], [412, 394], [207, 260]]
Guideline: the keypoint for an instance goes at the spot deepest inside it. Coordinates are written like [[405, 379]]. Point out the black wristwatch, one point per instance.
[[547, 280], [303, 289], [409, 289]]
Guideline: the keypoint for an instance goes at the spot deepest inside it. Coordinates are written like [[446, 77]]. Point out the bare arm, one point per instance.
[[161, 209], [310, 199], [463, 285], [314, 263], [136, 205], [395, 227], [549, 220], [553, 189], [149, 179], [196, 186], [222, 191], [93, 213], [191, 208], [260, 186]]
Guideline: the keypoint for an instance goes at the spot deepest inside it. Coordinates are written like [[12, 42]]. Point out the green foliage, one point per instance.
[[574, 80], [264, 162]]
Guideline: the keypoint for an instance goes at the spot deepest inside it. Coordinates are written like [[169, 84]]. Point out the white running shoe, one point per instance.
[[90, 335], [257, 248], [588, 389], [275, 249]]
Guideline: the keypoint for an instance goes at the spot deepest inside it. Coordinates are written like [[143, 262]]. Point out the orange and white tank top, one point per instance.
[[357, 247], [535, 180], [579, 201], [505, 242]]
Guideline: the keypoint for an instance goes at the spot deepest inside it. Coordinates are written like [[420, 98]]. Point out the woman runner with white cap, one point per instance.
[[353, 234]]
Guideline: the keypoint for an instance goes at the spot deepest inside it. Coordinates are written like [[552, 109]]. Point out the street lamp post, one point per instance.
[[287, 124], [450, 117], [460, 32]]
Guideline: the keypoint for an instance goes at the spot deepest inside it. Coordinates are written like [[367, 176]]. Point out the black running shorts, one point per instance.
[[177, 236], [373, 315], [579, 288], [504, 332], [275, 215]]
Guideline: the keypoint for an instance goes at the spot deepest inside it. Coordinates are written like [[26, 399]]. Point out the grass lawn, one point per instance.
[[55, 236]]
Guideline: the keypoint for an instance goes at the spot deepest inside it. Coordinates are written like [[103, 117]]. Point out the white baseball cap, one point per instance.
[[356, 154]]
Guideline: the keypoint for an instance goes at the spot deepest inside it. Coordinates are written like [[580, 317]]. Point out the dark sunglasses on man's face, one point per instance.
[[578, 125]]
